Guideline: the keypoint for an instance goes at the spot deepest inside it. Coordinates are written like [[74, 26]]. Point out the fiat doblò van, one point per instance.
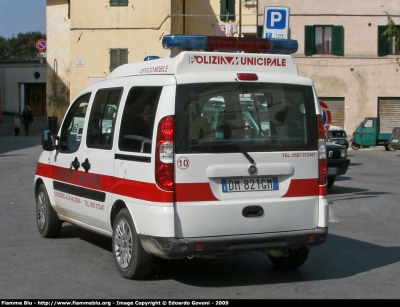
[[199, 154]]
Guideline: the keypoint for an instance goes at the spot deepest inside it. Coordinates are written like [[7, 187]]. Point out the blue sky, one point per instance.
[[21, 16]]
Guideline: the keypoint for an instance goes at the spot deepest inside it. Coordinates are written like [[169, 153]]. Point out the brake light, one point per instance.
[[247, 77], [322, 162], [164, 164], [220, 43]]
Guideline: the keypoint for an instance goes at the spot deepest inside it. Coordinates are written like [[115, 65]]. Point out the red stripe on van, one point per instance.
[[140, 190], [150, 191], [303, 187], [194, 192], [120, 186]]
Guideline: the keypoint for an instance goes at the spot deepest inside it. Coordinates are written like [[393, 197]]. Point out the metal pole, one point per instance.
[[240, 18]]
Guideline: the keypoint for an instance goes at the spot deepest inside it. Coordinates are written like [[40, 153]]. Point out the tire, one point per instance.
[[132, 261], [331, 181], [355, 146], [294, 259], [389, 147], [49, 225]]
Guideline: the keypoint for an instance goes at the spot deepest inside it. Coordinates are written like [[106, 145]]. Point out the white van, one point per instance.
[[206, 154]]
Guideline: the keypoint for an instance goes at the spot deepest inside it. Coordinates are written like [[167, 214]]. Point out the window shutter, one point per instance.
[[223, 9], [123, 56], [119, 2], [338, 40], [227, 9], [382, 41], [113, 59], [231, 9], [309, 40]]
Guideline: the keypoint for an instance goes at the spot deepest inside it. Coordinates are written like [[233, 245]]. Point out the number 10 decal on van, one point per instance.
[[199, 154]]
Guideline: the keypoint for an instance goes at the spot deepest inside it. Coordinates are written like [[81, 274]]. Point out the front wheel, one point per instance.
[[355, 146], [294, 259], [131, 259], [48, 223]]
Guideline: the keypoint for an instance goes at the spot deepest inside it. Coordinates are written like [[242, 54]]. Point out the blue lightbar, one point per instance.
[[151, 57], [221, 43]]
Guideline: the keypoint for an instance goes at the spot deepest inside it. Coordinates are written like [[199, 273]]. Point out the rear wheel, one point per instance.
[[294, 259], [388, 147], [131, 259], [355, 146], [48, 223]]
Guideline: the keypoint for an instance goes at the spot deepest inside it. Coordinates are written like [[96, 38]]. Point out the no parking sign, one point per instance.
[[41, 45], [326, 115]]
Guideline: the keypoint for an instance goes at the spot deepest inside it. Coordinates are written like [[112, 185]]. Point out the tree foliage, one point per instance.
[[23, 46], [392, 30]]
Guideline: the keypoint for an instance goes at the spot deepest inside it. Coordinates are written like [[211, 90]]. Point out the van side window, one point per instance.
[[102, 118], [71, 130], [138, 119]]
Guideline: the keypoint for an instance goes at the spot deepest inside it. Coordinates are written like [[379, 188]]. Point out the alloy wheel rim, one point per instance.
[[41, 211], [123, 244]]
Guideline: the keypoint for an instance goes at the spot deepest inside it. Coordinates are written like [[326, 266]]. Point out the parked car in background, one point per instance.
[[338, 163], [395, 139], [338, 136]]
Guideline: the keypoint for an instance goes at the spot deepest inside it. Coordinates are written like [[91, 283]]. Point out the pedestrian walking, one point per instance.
[[17, 124], [27, 118]]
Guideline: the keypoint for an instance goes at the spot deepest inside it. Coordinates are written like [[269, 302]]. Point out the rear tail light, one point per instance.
[[322, 162], [164, 164]]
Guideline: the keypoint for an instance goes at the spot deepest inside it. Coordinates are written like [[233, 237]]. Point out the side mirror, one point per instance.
[[48, 140]]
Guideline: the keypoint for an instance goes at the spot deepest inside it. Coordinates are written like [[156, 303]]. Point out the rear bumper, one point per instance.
[[173, 248], [341, 164]]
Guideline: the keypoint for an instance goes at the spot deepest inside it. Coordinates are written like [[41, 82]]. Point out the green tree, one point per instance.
[[392, 30], [21, 46], [3, 46]]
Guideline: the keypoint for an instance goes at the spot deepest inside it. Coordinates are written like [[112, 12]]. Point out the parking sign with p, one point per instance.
[[276, 23]]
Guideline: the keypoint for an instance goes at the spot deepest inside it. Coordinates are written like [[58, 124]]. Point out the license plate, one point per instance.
[[248, 185], [395, 140], [332, 170]]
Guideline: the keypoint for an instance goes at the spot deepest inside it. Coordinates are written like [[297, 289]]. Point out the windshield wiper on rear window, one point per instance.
[[222, 144]]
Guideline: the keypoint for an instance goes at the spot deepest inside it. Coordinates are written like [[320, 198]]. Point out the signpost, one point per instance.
[[41, 46], [276, 25]]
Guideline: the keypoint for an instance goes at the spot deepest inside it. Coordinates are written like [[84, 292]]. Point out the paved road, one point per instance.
[[360, 260]]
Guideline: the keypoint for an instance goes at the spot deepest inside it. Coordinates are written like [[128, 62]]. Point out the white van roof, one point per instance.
[[200, 61]]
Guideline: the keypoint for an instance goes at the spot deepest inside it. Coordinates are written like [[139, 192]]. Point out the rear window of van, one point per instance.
[[220, 117]]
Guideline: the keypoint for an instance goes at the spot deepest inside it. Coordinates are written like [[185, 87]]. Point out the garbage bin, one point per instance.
[[52, 122]]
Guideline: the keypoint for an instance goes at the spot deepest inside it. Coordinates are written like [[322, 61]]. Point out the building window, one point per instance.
[[227, 10], [118, 57], [386, 46], [324, 40], [119, 2]]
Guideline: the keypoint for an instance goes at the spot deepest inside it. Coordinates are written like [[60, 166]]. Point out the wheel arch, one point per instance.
[[116, 208], [38, 182]]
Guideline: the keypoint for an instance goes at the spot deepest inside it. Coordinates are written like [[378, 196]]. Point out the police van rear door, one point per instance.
[[246, 154]]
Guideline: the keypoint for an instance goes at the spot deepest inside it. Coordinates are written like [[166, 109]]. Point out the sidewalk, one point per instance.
[[7, 127]]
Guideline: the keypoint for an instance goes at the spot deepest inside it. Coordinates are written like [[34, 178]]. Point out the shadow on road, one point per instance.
[[351, 257]]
